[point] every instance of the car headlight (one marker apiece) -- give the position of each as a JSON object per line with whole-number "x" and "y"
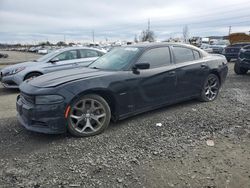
{"x": 14, "y": 71}
{"x": 49, "y": 99}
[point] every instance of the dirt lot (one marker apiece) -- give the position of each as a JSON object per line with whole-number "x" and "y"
{"x": 135, "y": 152}
{"x": 17, "y": 57}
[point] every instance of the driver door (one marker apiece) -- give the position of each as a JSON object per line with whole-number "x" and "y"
{"x": 63, "y": 61}
{"x": 156, "y": 85}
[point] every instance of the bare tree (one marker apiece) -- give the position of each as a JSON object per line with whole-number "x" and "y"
{"x": 136, "y": 40}
{"x": 147, "y": 35}
{"x": 185, "y": 34}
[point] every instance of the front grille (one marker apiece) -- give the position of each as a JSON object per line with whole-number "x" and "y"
{"x": 10, "y": 83}
{"x": 27, "y": 98}
{"x": 4, "y": 74}
{"x": 232, "y": 50}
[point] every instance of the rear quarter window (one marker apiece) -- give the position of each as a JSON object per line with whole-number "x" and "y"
{"x": 183, "y": 54}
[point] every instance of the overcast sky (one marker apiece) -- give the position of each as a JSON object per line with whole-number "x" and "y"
{"x": 41, "y": 20}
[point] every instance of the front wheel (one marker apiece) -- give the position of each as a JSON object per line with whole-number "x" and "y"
{"x": 89, "y": 115}
{"x": 32, "y": 75}
{"x": 210, "y": 88}
{"x": 238, "y": 69}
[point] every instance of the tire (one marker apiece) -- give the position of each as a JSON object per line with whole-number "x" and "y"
{"x": 89, "y": 115}
{"x": 228, "y": 59}
{"x": 32, "y": 75}
{"x": 210, "y": 88}
{"x": 238, "y": 69}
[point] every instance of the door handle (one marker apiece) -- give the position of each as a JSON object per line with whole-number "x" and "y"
{"x": 171, "y": 72}
{"x": 203, "y": 66}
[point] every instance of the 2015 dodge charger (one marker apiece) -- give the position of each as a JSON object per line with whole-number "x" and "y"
{"x": 124, "y": 82}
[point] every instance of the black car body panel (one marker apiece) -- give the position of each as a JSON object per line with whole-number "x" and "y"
{"x": 127, "y": 92}
{"x": 232, "y": 51}
{"x": 244, "y": 57}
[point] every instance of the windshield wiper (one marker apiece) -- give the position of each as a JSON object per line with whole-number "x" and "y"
{"x": 94, "y": 68}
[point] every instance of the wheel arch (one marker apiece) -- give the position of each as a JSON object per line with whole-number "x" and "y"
{"x": 32, "y": 72}
{"x": 215, "y": 72}
{"x": 104, "y": 93}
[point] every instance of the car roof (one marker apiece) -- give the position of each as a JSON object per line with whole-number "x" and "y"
{"x": 160, "y": 44}
{"x": 77, "y": 48}
{"x": 146, "y": 46}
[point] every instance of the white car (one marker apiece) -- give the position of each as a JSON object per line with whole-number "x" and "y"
{"x": 62, "y": 59}
{"x": 206, "y": 47}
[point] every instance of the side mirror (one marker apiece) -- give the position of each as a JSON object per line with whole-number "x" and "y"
{"x": 54, "y": 60}
{"x": 141, "y": 66}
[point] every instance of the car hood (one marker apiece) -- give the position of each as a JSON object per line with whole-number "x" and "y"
{"x": 24, "y": 64}
{"x": 61, "y": 77}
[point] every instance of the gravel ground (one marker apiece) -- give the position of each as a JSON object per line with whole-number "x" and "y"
{"x": 135, "y": 152}
{"x": 17, "y": 57}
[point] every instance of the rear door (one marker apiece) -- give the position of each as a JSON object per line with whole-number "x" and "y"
{"x": 156, "y": 85}
{"x": 191, "y": 69}
{"x": 87, "y": 56}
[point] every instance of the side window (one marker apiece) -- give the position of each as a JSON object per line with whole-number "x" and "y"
{"x": 157, "y": 57}
{"x": 100, "y": 54}
{"x": 183, "y": 54}
{"x": 196, "y": 55}
{"x": 68, "y": 55}
{"x": 88, "y": 53}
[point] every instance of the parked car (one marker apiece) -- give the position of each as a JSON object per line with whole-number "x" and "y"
{"x": 206, "y": 47}
{"x": 3, "y": 55}
{"x": 219, "y": 46}
{"x": 45, "y": 50}
{"x": 232, "y": 51}
{"x": 67, "y": 58}
{"x": 243, "y": 63}
{"x": 124, "y": 82}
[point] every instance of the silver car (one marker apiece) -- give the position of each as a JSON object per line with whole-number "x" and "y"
{"x": 66, "y": 58}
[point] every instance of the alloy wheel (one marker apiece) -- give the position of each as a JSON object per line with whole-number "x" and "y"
{"x": 212, "y": 88}
{"x": 87, "y": 116}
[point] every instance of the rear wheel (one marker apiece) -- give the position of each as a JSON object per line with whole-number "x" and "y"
{"x": 210, "y": 88}
{"x": 89, "y": 115}
{"x": 238, "y": 69}
{"x": 32, "y": 75}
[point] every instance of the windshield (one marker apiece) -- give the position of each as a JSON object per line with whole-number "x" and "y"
{"x": 116, "y": 59}
{"x": 222, "y": 43}
{"x": 48, "y": 56}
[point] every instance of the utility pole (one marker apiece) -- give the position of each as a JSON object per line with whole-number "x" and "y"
{"x": 93, "y": 36}
{"x": 230, "y": 29}
{"x": 149, "y": 24}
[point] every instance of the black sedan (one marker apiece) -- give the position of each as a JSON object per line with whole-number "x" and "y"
{"x": 124, "y": 82}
